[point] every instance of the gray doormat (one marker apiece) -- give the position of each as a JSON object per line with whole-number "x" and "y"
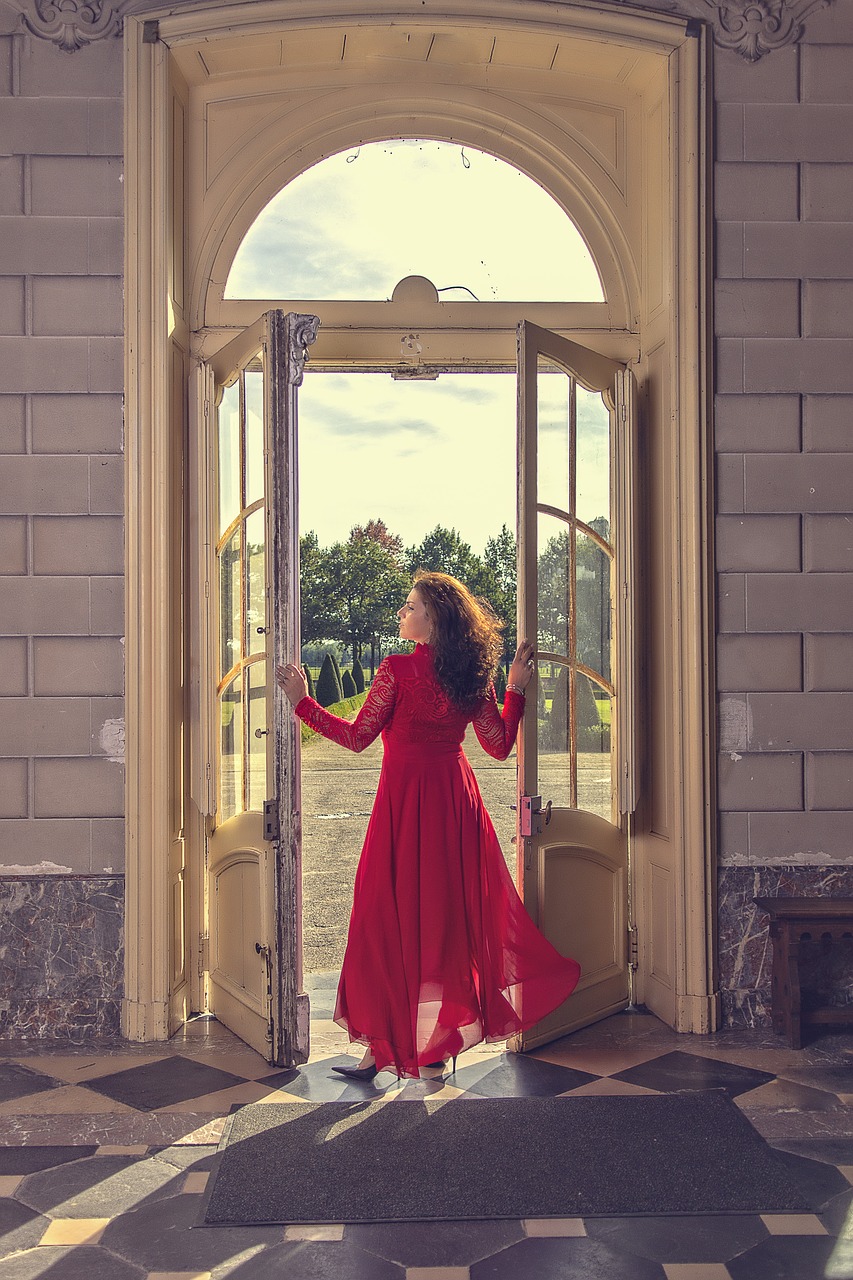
{"x": 498, "y": 1158}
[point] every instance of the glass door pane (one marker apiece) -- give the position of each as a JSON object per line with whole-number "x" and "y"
{"x": 242, "y": 598}
{"x": 574, "y": 579}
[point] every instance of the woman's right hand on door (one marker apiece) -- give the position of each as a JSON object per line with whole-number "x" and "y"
{"x": 291, "y": 679}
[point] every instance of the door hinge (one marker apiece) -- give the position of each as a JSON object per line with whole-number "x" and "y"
{"x": 272, "y": 830}
{"x": 633, "y": 948}
{"x": 265, "y": 953}
{"x": 203, "y": 954}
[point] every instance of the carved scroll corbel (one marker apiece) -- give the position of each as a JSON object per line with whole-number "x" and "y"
{"x": 755, "y": 27}
{"x": 71, "y": 23}
{"x": 301, "y": 333}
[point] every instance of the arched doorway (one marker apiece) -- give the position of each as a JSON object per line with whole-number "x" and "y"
{"x": 606, "y": 155}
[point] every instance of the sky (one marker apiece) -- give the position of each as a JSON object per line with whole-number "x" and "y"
{"x": 357, "y": 223}
{"x": 414, "y": 454}
{"x": 417, "y": 454}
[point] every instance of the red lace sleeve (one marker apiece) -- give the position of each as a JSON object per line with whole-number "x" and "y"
{"x": 355, "y": 734}
{"x": 496, "y": 732}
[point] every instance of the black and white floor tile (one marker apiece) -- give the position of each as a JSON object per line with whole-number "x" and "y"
{"x": 105, "y": 1154}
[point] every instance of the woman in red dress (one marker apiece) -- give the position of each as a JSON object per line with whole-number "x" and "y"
{"x": 441, "y": 952}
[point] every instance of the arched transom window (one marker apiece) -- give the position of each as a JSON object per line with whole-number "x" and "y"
{"x": 358, "y": 222}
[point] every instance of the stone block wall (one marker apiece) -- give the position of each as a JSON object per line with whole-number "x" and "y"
{"x": 61, "y": 536}
{"x": 784, "y": 498}
{"x": 784, "y": 439}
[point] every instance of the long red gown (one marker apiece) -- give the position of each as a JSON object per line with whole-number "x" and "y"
{"x": 441, "y": 952}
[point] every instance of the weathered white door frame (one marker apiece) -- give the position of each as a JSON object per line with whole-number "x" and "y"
{"x": 155, "y": 322}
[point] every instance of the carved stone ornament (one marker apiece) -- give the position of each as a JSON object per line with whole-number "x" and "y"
{"x": 72, "y": 23}
{"x": 750, "y": 27}
{"x": 302, "y": 332}
{"x": 754, "y": 27}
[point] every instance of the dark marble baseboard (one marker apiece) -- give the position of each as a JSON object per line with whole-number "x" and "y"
{"x": 69, "y": 1021}
{"x": 61, "y": 956}
{"x": 62, "y": 953}
{"x": 744, "y": 948}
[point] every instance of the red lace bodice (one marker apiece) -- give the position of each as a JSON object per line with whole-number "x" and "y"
{"x": 408, "y": 706}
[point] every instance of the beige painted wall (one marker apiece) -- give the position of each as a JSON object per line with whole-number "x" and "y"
{"x": 61, "y": 470}
{"x": 784, "y": 436}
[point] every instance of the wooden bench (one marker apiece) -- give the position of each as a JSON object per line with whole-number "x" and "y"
{"x": 794, "y": 921}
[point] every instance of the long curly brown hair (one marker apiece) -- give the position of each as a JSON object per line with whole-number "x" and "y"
{"x": 466, "y": 639}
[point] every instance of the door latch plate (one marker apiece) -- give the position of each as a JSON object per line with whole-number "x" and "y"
{"x": 272, "y": 830}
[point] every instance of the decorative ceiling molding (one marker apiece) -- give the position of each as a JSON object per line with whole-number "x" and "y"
{"x": 751, "y": 27}
{"x": 72, "y": 23}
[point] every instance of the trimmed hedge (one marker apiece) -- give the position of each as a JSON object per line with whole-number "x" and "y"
{"x": 348, "y": 685}
{"x": 347, "y": 708}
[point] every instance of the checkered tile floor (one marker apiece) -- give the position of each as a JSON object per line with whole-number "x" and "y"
{"x": 105, "y": 1154}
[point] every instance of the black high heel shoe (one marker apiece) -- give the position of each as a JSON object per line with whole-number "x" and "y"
{"x": 442, "y": 1064}
{"x": 358, "y": 1073}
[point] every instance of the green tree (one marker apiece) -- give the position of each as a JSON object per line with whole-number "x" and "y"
{"x": 317, "y": 609}
{"x": 500, "y": 588}
{"x": 443, "y": 551}
{"x": 554, "y": 600}
{"x": 500, "y": 684}
{"x": 366, "y": 584}
{"x": 348, "y": 685}
{"x": 328, "y": 684}
{"x": 377, "y": 531}
{"x": 309, "y": 680}
{"x": 593, "y": 612}
{"x": 358, "y": 675}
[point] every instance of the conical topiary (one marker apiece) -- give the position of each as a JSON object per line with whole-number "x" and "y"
{"x": 309, "y": 680}
{"x": 558, "y": 717}
{"x": 592, "y": 735}
{"x": 500, "y": 684}
{"x": 337, "y": 667}
{"x": 329, "y": 683}
{"x": 348, "y": 685}
{"x": 358, "y": 675}
{"x": 541, "y": 709}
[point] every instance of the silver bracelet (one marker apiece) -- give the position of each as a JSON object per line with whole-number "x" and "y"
{"x": 514, "y": 688}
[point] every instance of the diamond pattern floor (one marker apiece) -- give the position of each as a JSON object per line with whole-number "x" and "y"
{"x": 105, "y": 1155}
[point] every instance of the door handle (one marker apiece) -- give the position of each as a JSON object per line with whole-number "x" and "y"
{"x": 533, "y": 817}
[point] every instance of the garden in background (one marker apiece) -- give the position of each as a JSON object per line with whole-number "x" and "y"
{"x": 351, "y": 592}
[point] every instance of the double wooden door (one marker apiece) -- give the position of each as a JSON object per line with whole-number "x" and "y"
{"x": 575, "y": 780}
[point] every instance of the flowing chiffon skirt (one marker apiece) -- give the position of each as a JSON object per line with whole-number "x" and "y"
{"x": 441, "y": 952}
